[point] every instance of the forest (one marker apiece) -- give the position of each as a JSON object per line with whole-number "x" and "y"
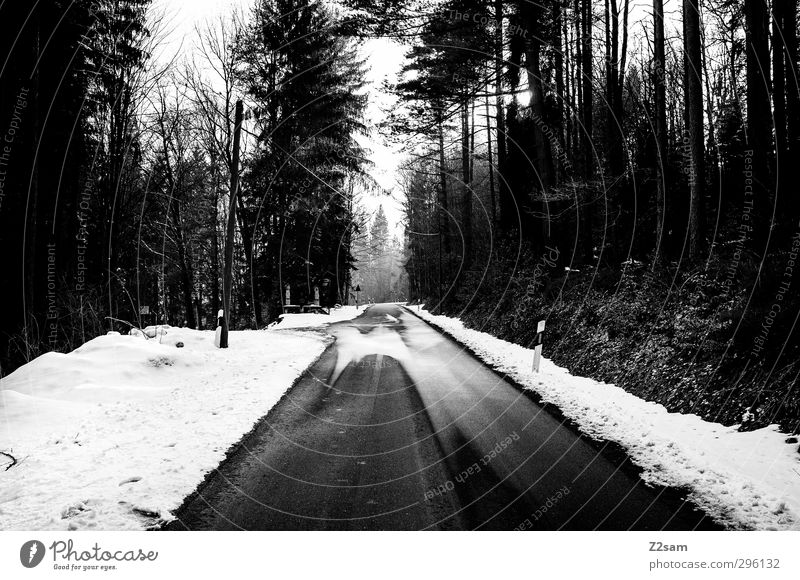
{"x": 117, "y": 167}
{"x": 624, "y": 171}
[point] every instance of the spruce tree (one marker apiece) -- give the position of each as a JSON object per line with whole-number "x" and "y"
{"x": 305, "y": 79}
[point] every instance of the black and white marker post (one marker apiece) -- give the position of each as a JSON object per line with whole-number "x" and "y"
{"x": 537, "y": 349}
{"x": 218, "y": 334}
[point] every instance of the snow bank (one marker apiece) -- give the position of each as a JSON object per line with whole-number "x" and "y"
{"x": 748, "y": 480}
{"x": 116, "y": 433}
{"x": 317, "y": 320}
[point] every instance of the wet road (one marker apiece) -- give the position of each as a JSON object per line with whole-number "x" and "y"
{"x": 397, "y": 427}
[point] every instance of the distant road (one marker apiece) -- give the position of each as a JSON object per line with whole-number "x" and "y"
{"x": 397, "y": 427}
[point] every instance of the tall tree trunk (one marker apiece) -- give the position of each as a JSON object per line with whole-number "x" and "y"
{"x": 778, "y": 78}
{"x": 544, "y": 156}
{"x": 619, "y": 85}
{"x": 578, "y": 137}
{"x": 246, "y": 232}
{"x": 508, "y": 211}
{"x": 608, "y": 117}
{"x": 569, "y": 89}
{"x": 466, "y": 199}
{"x": 792, "y": 74}
{"x": 184, "y": 263}
{"x": 759, "y": 126}
{"x": 491, "y": 162}
{"x": 472, "y": 142}
{"x": 30, "y": 241}
{"x": 215, "y": 287}
{"x": 228, "y": 290}
{"x": 659, "y": 82}
{"x": 712, "y": 164}
{"x": 615, "y": 62}
{"x": 586, "y": 114}
{"x": 692, "y": 66}
{"x": 784, "y": 45}
{"x": 442, "y": 209}
{"x": 561, "y": 94}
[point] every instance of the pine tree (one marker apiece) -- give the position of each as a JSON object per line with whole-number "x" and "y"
{"x": 305, "y": 80}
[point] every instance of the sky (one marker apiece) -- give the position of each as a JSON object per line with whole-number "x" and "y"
{"x": 383, "y": 59}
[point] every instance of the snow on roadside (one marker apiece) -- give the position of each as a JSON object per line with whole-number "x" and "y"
{"x": 745, "y": 480}
{"x": 116, "y": 433}
{"x": 309, "y": 320}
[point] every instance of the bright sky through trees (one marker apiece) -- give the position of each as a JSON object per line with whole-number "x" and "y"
{"x": 384, "y": 59}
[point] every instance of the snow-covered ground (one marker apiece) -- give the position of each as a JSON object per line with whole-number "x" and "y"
{"x": 116, "y": 433}
{"x": 317, "y": 320}
{"x": 747, "y": 480}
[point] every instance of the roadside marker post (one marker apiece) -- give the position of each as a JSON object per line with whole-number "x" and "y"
{"x": 537, "y": 350}
{"x": 220, "y": 322}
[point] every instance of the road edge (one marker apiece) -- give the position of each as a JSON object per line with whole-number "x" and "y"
{"x": 329, "y": 340}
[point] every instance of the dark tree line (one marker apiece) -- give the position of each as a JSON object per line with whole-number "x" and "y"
{"x": 571, "y": 105}
{"x": 69, "y": 81}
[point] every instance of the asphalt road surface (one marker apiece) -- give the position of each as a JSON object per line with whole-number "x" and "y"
{"x": 397, "y": 427}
